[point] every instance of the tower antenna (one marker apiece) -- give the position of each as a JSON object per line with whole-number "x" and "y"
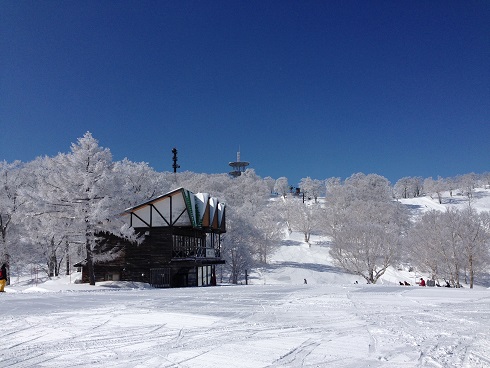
{"x": 238, "y": 165}
{"x": 174, "y": 159}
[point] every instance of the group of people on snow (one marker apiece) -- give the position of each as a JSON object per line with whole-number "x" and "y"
{"x": 422, "y": 282}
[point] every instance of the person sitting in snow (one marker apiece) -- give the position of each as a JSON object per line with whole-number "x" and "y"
{"x": 422, "y": 282}
{"x": 3, "y": 277}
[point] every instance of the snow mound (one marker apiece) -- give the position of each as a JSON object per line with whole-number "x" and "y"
{"x": 37, "y": 289}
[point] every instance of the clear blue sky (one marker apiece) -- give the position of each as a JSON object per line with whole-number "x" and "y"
{"x": 304, "y": 88}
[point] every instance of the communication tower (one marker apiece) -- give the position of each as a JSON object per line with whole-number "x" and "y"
{"x": 174, "y": 159}
{"x": 238, "y": 166}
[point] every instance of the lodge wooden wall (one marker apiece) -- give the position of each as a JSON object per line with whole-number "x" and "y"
{"x": 155, "y": 251}
{"x": 135, "y": 261}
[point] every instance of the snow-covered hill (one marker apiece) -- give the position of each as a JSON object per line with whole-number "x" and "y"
{"x": 296, "y": 260}
{"x": 480, "y": 201}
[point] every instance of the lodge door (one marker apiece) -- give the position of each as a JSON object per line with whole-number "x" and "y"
{"x": 160, "y": 277}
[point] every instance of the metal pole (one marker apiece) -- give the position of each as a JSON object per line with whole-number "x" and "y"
{"x": 174, "y": 159}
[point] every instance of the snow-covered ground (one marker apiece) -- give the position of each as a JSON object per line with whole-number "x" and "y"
{"x": 286, "y": 325}
{"x": 275, "y": 321}
{"x": 294, "y": 261}
{"x": 480, "y": 202}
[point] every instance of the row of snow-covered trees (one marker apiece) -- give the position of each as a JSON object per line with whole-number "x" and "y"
{"x": 409, "y": 187}
{"x": 406, "y": 187}
{"x": 371, "y": 232}
{"x": 453, "y": 245}
{"x": 52, "y": 208}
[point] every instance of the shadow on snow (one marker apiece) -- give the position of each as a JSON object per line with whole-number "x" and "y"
{"x": 308, "y": 266}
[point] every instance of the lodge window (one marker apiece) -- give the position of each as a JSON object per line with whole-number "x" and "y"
{"x": 213, "y": 241}
{"x": 204, "y": 275}
{"x": 187, "y": 246}
{"x": 111, "y": 277}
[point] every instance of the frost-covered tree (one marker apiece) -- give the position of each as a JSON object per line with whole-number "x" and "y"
{"x": 13, "y": 178}
{"x": 305, "y": 217}
{"x": 402, "y": 187}
{"x": 358, "y": 187}
{"x": 424, "y": 243}
{"x": 246, "y": 198}
{"x": 270, "y": 183}
{"x": 82, "y": 189}
{"x": 467, "y": 184}
{"x": 268, "y": 224}
{"x": 137, "y": 182}
{"x": 451, "y": 185}
{"x": 282, "y": 186}
{"x": 47, "y": 237}
{"x": 286, "y": 212}
{"x": 450, "y": 243}
{"x": 473, "y": 232}
{"x": 486, "y": 179}
{"x": 452, "y": 250}
{"x": 369, "y": 187}
{"x": 312, "y": 187}
{"x": 417, "y": 186}
{"x": 331, "y": 184}
{"x": 408, "y": 187}
{"x": 252, "y": 190}
{"x": 43, "y": 234}
{"x": 50, "y": 234}
{"x": 306, "y": 186}
{"x": 367, "y": 240}
{"x": 237, "y": 245}
{"x": 436, "y": 187}
{"x": 199, "y": 183}
{"x": 366, "y": 225}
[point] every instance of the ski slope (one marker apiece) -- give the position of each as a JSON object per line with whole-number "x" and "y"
{"x": 282, "y": 325}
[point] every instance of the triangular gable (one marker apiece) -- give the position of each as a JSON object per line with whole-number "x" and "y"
{"x": 221, "y": 216}
{"x": 201, "y": 206}
{"x": 169, "y": 209}
{"x": 206, "y": 222}
{"x": 213, "y": 203}
{"x": 179, "y": 207}
{"x": 190, "y": 201}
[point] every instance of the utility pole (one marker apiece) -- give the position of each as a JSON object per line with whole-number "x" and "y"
{"x": 174, "y": 159}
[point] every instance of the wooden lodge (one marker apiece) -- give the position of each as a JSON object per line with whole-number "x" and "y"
{"x": 181, "y": 246}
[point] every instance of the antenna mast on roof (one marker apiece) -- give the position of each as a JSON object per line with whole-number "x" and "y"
{"x": 238, "y": 165}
